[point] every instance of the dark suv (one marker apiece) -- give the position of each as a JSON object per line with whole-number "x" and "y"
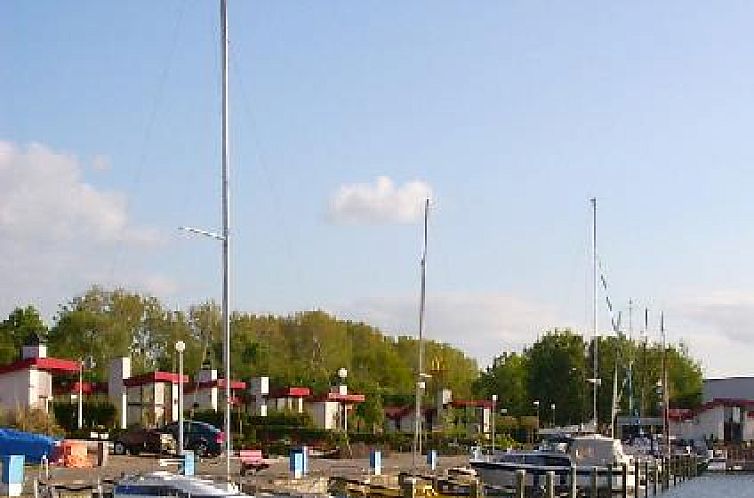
{"x": 137, "y": 439}
{"x": 204, "y": 439}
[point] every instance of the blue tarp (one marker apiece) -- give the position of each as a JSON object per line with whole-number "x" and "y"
{"x": 32, "y": 446}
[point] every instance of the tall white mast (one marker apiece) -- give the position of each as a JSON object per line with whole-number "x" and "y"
{"x": 226, "y": 233}
{"x": 595, "y": 290}
{"x": 416, "y": 450}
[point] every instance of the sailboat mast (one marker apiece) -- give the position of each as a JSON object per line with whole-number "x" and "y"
{"x": 226, "y": 232}
{"x": 420, "y": 368}
{"x": 665, "y": 397}
{"x": 594, "y": 318}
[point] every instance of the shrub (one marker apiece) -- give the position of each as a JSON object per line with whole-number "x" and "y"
{"x": 31, "y": 420}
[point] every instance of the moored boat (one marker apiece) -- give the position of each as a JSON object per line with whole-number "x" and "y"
{"x": 582, "y": 454}
{"x": 167, "y": 484}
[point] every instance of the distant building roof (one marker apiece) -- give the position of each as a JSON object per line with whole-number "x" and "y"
{"x": 291, "y": 392}
{"x": 52, "y": 365}
{"x": 471, "y": 403}
{"x": 154, "y": 377}
{"x": 220, "y": 383}
{"x": 341, "y": 398}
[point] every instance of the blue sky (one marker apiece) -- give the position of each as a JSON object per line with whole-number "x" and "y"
{"x": 511, "y": 115}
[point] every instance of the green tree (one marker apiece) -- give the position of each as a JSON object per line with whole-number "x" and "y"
{"x": 14, "y": 330}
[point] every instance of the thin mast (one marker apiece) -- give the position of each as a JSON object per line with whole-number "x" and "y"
{"x": 226, "y": 232}
{"x": 594, "y": 318}
{"x": 420, "y": 370}
{"x": 665, "y": 397}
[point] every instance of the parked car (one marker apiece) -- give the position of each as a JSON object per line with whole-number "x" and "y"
{"x": 137, "y": 439}
{"x": 203, "y": 438}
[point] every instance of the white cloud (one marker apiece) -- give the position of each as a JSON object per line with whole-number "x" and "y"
{"x": 717, "y": 327}
{"x": 60, "y": 234}
{"x": 379, "y": 202}
{"x": 483, "y": 325}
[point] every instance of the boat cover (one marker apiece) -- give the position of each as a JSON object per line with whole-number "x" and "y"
{"x": 32, "y": 446}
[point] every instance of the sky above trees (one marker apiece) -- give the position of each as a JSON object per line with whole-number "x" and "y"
{"x": 345, "y": 116}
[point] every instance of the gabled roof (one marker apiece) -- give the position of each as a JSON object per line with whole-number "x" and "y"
{"x": 52, "y": 365}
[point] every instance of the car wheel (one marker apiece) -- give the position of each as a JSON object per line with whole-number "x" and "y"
{"x": 119, "y": 448}
{"x": 200, "y": 449}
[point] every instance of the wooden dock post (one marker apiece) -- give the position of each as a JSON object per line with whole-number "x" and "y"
{"x": 550, "y": 484}
{"x": 520, "y": 483}
{"x": 594, "y": 477}
{"x": 674, "y": 469}
{"x": 574, "y": 487}
{"x": 624, "y": 479}
{"x": 655, "y": 477}
{"x": 646, "y": 480}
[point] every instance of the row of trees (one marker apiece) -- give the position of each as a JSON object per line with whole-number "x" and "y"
{"x": 307, "y": 349}
{"x": 556, "y": 370}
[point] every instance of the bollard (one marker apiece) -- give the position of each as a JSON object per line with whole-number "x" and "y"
{"x": 296, "y": 464}
{"x": 103, "y": 452}
{"x": 13, "y": 475}
{"x": 574, "y": 487}
{"x": 520, "y": 483}
{"x": 188, "y": 463}
{"x": 35, "y": 487}
{"x": 375, "y": 462}
{"x": 595, "y": 489}
{"x": 304, "y": 459}
{"x": 610, "y": 477}
{"x": 624, "y": 479}
{"x": 432, "y": 459}
{"x": 550, "y": 483}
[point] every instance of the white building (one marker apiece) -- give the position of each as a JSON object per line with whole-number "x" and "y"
{"x": 27, "y": 383}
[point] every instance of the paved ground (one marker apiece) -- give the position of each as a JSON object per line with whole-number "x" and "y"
{"x": 319, "y": 467}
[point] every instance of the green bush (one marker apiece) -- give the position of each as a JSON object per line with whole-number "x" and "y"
{"x": 96, "y": 415}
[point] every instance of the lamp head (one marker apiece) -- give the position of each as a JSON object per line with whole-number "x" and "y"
{"x": 180, "y": 346}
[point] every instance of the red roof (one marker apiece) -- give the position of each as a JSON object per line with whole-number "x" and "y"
{"x": 154, "y": 377}
{"x": 52, "y": 365}
{"x": 397, "y": 412}
{"x": 471, "y": 403}
{"x": 291, "y": 392}
{"x": 341, "y": 398}
{"x": 220, "y": 383}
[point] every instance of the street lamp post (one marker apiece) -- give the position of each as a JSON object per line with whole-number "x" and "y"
{"x": 494, "y": 409}
{"x": 180, "y": 347}
{"x": 87, "y": 362}
{"x": 343, "y": 373}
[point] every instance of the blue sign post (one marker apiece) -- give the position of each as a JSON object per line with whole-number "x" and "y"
{"x": 188, "y": 464}
{"x": 375, "y": 462}
{"x": 297, "y": 463}
{"x": 432, "y": 459}
{"x": 13, "y": 475}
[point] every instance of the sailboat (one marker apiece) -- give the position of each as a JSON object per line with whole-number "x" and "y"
{"x": 581, "y": 454}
